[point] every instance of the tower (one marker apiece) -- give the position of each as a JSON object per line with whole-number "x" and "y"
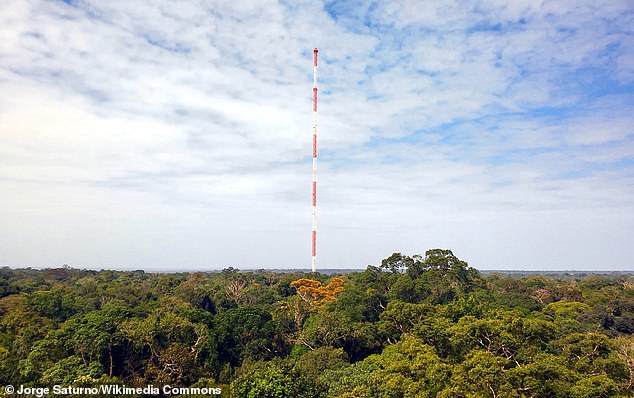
{"x": 314, "y": 210}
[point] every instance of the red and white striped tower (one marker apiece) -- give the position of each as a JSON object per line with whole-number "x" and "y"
{"x": 314, "y": 212}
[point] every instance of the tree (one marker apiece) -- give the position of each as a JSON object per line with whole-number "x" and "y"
{"x": 625, "y": 349}
{"x": 317, "y": 295}
{"x": 444, "y": 276}
{"x": 314, "y": 363}
{"x": 360, "y": 301}
{"x": 235, "y": 288}
{"x": 95, "y": 337}
{"x": 436, "y": 260}
{"x": 480, "y": 374}
{"x": 163, "y": 345}
{"x": 592, "y": 354}
{"x": 544, "y": 376}
{"x": 566, "y": 315}
{"x": 400, "y": 317}
{"x": 53, "y": 304}
{"x": 246, "y": 332}
{"x": 409, "y": 368}
{"x": 398, "y": 263}
{"x": 68, "y": 370}
{"x": 326, "y": 329}
{"x": 507, "y": 334}
{"x": 273, "y": 379}
{"x": 596, "y": 386}
{"x": 408, "y": 290}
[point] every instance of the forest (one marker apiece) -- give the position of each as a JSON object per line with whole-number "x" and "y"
{"x": 411, "y": 326}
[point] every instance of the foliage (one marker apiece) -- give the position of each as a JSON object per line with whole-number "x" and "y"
{"x": 273, "y": 379}
{"x": 316, "y": 294}
{"x": 414, "y": 326}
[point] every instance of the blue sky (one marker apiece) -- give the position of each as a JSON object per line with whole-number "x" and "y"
{"x": 150, "y": 135}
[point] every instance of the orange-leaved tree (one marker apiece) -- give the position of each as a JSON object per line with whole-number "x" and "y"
{"x": 316, "y": 294}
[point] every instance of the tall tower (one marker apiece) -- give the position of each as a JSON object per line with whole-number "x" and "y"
{"x": 314, "y": 212}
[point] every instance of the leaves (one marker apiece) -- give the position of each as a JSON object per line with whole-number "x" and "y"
{"x": 317, "y": 295}
{"x": 417, "y": 326}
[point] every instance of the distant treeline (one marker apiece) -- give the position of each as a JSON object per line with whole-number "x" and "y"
{"x": 412, "y": 326}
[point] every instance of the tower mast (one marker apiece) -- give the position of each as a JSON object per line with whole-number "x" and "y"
{"x": 314, "y": 211}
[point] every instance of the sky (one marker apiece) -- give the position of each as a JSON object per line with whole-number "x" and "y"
{"x": 165, "y": 135}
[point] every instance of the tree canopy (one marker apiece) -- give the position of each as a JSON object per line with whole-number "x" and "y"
{"x": 413, "y": 326}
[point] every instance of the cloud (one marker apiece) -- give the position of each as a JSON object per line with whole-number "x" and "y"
{"x": 156, "y": 135}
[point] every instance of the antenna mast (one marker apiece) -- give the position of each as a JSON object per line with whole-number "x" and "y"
{"x": 314, "y": 212}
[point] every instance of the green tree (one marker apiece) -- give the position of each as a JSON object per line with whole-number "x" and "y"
{"x": 507, "y": 334}
{"x": 246, "y": 332}
{"x": 592, "y": 354}
{"x": 409, "y": 368}
{"x": 407, "y": 289}
{"x": 53, "y": 304}
{"x": 444, "y": 275}
{"x": 481, "y": 374}
{"x": 69, "y": 370}
{"x": 313, "y": 363}
{"x": 400, "y": 317}
{"x": 397, "y": 263}
{"x": 164, "y": 345}
{"x": 597, "y": 386}
{"x": 545, "y": 376}
{"x": 273, "y": 379}
{"x": 567, "y": 315}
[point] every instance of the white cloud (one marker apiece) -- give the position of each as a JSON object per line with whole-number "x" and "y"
{"x": 167, "y": 135}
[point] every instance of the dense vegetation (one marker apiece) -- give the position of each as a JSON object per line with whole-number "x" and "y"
{"x": 420, "y": 326}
